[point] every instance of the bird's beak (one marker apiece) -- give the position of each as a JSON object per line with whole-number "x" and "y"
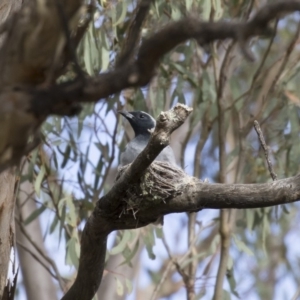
{"x": 126, "y": 114}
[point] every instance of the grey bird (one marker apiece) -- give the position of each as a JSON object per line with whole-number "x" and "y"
{"x": 142, "y": 123}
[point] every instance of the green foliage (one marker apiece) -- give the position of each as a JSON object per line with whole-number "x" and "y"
{"x": 122, "y": 244}
{"x": 79, "y": 159}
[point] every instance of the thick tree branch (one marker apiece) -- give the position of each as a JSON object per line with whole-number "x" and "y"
{"x": 191, "y": 195}
{"x": 140, "y": 72}
{"x": 139, "y": 197}
{"x": 202, "y": 195}
{"x": 110, "y": 209}
{"x": 166, "y": 123}
{"x": 31, "y": 30}
{"x": 30, "y": 51}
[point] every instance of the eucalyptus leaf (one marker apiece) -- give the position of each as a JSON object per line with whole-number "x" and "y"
{"x": 120, "y": 287}
{"x": 128, "y": 285}
{"x": 130, "y": 254}
{"x": 242, "y": 246}
{"x": 122, "y": 8}
{"x": 39, "y": 179}
{"x": 35, "y": 214}
{"x": 72, "y": 257}
{"x": 122, "y": 244}
{"x": 149, "y": 243}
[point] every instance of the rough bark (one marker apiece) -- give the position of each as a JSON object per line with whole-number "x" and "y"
{"x": 7, "y": 228}
{"x": 193, "y": 196}
{"x": 30, "y": 93}
{"x": 7, "y": 183}
{"x": 33, "y": 54}
{"x": 139, "y": 198}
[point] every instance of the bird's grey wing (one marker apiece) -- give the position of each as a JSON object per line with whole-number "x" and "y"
{"x": 137, "y": 145}
{"x": 132, "y": 150}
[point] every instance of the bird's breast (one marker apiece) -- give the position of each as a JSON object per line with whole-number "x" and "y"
{"x": 137, "y": 145}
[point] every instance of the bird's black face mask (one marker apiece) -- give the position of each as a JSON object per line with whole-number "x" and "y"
{"x": 140, "y": 121}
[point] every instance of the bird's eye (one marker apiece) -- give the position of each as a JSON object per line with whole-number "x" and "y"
{"x": 142, "y": 116}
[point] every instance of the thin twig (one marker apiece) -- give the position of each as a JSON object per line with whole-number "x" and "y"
{"x": 225, "y": 226}
{"x": 287, "y": 55}
{"x": 206, "y": 129}
{"x": 162, "y": 280}
{"x": 127, "y": 52}
{"x": 266, "y": 149}
{"x": 57, "y": 99}
{"x": 176, "y": 262}
{"x": 265, "y": 56}
{"x": 36, "y": 257}
{"x": 262, "y": 101}
{"x": 192, "y": 267}
{"x": 112, "y": 157}
{"x": 42, "y": 253}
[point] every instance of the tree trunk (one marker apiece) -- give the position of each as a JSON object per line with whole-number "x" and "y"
{"x": 7, "y": 229}
{"x": 7, "y": 181}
